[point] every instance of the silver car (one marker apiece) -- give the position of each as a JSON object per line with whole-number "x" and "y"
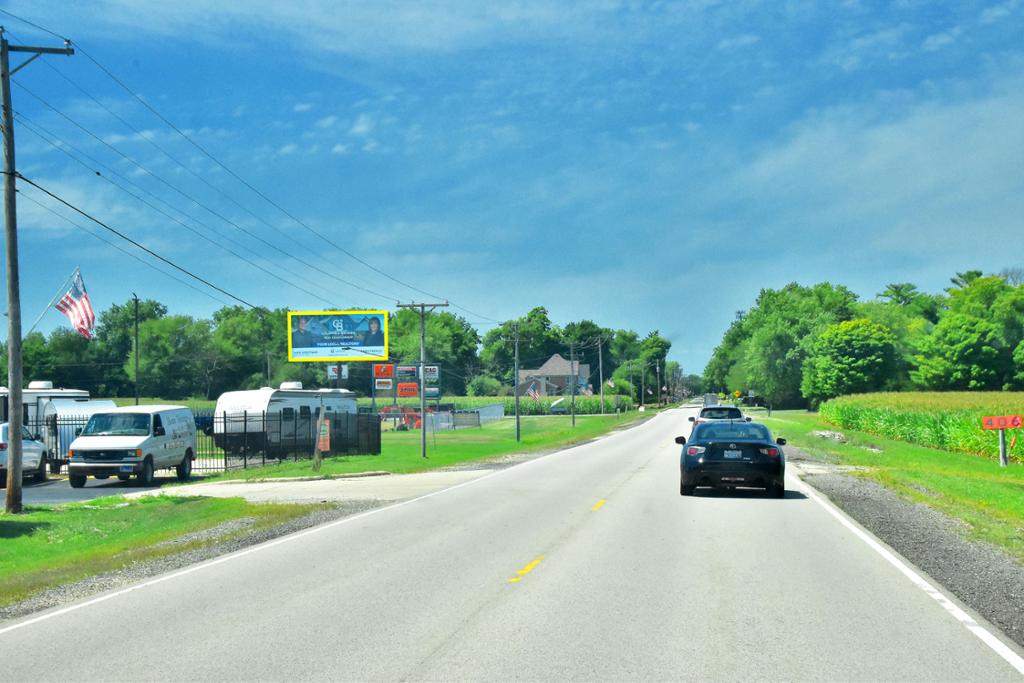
{"x": 33, "y": 454}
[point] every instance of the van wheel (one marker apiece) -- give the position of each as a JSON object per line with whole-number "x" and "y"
{"x": 184, "y": 470}
{"x": 77, "y": 481}
{"x": 146, "y": 475}
{"x": 40, "y": 474}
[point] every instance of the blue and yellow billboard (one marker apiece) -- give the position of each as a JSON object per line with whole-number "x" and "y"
{"x": 318, "y": 336}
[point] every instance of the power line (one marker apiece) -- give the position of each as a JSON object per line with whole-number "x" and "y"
{"x": 198, "y": 233}
{"x": 194, "y": 200}
{"x": 34, "y": 25}
{"x": 122, "y": 249}
{"x": 129, "y": 239}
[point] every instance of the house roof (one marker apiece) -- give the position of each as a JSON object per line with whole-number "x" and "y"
{"x": 557, "y": 366}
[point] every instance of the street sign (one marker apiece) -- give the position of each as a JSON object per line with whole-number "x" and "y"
{"x": 1002, "y": 422}
{"x": 406, "y": 371}
{"x": 383, "y": 384}
{"x": 383, "y": 371}
{"x": 408, "y": 389}
{"x": 432, "y": 392}
{"x": 431, "y": 374}
{"x": 337, "y": 371}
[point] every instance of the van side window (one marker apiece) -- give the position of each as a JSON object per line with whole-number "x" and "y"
{"x": 288, "y": 414}
{"x": 304, "y": 412}
{"x": 157, "y": 424}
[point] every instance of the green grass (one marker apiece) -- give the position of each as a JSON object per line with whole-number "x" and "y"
{"x": 946, "y": 420}
{"x": 55, "y": 545}
{"x": 400, "y": 451}
{"x": 977, "y": 491}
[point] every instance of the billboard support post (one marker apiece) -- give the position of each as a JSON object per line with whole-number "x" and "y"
{"x": 423, "y": 361}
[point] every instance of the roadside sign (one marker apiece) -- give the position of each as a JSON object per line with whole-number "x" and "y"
{"x": 406, "y": 371}
{"x": 382, "y": 370}
{"x": 337, "y": 371}
{"x": 408, "y": 389}
{"x": 1002, "y": 422}
{"x": 383, "y": 384}
{"x": 432, "y": 392}
{"x": 431, "y": 374}
{"x": 324, "y": 443}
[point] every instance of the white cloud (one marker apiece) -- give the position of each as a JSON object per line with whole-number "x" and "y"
{"x": 302, "y": 106}
{"x": 738, "y": 41}
{"x": 287, "y": 149}
{"x": 884, "y": 43}
{"x": 370, "y": 146}
{"x": 938, "y": 41}
{"x": 993, "y": 14}
{"x": 362, "y": 126}
{"x": 339, "y": 149}
{"x": 327, "y": 121}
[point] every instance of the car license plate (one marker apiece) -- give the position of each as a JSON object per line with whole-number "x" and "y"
{"x": 127, "y": 468}
{"x": 734, "y": 454}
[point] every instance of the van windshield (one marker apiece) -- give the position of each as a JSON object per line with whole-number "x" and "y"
{"x": 117, "y": 424}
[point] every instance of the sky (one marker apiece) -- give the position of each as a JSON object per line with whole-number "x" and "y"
{"x": 645, "y": 165}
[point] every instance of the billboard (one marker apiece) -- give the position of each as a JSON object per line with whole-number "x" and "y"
{"x": 318, "y": 336}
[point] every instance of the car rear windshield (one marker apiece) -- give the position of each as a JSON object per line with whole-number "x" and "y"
{"x": 722, "y": 413}
{"x": 710, "y": 432}
{"x": 117, "y": 424}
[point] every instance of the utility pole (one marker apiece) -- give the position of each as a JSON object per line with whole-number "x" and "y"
{"x": 575, "y": 373}
{"x": 423, "y": 361}
{"x": 657, "y": 371}
{"x": 14, "y": 369}
{"x": 268, "y": 368}
{"x": 136, "y": 300}
{"x": 600, "y": 368}
{"x": 515, "y": 381}
{"x": 643, "y": 386}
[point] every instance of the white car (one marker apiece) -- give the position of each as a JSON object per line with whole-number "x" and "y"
{"x": 33, "y": 455}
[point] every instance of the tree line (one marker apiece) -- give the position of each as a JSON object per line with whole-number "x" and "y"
{"x": 799, "y": 346}
{"x": 241, "y": 348}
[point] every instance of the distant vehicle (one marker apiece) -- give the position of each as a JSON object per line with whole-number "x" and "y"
{"x": 277, "y": 419}
{"x": 33, "y": 454}
{"x": 732, "y": 454}
{"x": 711, "y": 399}
{"x": 34, "y": 397}
{"x": 711, "y": 413}
{"x": 558, "y": 410}
{"x": 134, "y": 440}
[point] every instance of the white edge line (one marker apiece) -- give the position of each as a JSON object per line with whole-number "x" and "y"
{"x": 278, "y": 541}
{"x": 982, "y": 633}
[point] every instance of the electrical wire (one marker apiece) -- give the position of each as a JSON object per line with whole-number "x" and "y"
{"x": 129, "y": 239}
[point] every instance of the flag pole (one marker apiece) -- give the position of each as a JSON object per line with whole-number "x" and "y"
{"x": 60, "y": 293}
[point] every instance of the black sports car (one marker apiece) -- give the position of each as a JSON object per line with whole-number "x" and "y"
{"x": 730, "y": 454}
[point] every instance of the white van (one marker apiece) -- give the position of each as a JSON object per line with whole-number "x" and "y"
{"x": 134, "y": 440}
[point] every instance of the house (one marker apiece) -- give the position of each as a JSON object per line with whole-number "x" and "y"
{"x": 554, "y": 377}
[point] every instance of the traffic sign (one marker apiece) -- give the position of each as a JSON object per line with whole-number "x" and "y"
{"x": 1002, "y": 422}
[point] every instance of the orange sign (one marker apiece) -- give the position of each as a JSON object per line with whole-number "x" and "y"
{"x": 1002, "y": 422}
{"x": 408, "y": 389}
{"x": 324, "y": 445}
{"x": 383, "y": 371}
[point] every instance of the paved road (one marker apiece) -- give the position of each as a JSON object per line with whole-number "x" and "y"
{"x": 54, "y": 491}
{"x": 586, "y": 564}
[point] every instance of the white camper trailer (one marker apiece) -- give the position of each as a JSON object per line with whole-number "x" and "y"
{"x": 34, "y": 397}
{"x": 278, "y": 419}
{"x": 62, "y": 419}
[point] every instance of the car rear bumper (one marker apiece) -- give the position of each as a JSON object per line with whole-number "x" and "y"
{"x": 758, "y": 474}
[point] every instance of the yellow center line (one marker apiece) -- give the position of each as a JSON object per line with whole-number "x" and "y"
{"x": 526, "y": 570}
{"x": 599, "y": 504}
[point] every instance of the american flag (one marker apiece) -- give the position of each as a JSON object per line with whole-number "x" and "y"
{"x": 532, "y": 392}
{"x": 75, "y": 305}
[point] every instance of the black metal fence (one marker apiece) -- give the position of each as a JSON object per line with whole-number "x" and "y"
{"x": 228, "y": 442}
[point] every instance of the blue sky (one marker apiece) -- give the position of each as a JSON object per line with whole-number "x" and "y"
{"x": 649, "y": 165}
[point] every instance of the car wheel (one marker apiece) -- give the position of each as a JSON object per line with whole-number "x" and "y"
{"x": 184, "y": 470}
{"x": 77, "y": 481}
{"x": 124, "y": 477}
{"x": 777, "y": 491}
{"x": 685, "y": 490}
{"x": 146, "y": 475}
{"x": 40, "y": 474}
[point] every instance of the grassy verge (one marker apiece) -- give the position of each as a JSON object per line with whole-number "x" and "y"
{"x": 988, "y": 498}
{"x": 56, "y": 545}
{"x": 400, "y": 451}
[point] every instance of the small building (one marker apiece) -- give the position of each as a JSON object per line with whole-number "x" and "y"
{"x": 554, "y": 377}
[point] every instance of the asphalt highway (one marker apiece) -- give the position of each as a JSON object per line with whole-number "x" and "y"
{"x": 583, "y": 565}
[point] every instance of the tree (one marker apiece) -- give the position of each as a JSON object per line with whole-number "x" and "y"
{"x": 539, "y": 338}
{"x": 900, "y": 293}
{"x": 450, "y": 341}
{"x": 240, "y": 342}
{"x": 853, "y": 356}
{"x": 962, "y": 352}
{"x": 115, "y": 334}
{"x": 176, "y": 360}
{"x": 485, "y": 385}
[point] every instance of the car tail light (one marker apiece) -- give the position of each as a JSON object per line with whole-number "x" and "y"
{"x": 773, "y": 452}
{"x": 3, "y": 447}
{"x": 694, "y": 450}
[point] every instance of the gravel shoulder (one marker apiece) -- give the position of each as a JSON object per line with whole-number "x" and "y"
{"x": 979, "y": 574}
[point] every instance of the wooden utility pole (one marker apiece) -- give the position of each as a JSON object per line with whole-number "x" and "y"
{"x": 575, "y": 373}
{"x": 15, "y": 377}
{"x": 136, "y": 300}
{"x": 515, "y": 381}
{"x": 423, "y": 361}
{"x": 600, "y": 368}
